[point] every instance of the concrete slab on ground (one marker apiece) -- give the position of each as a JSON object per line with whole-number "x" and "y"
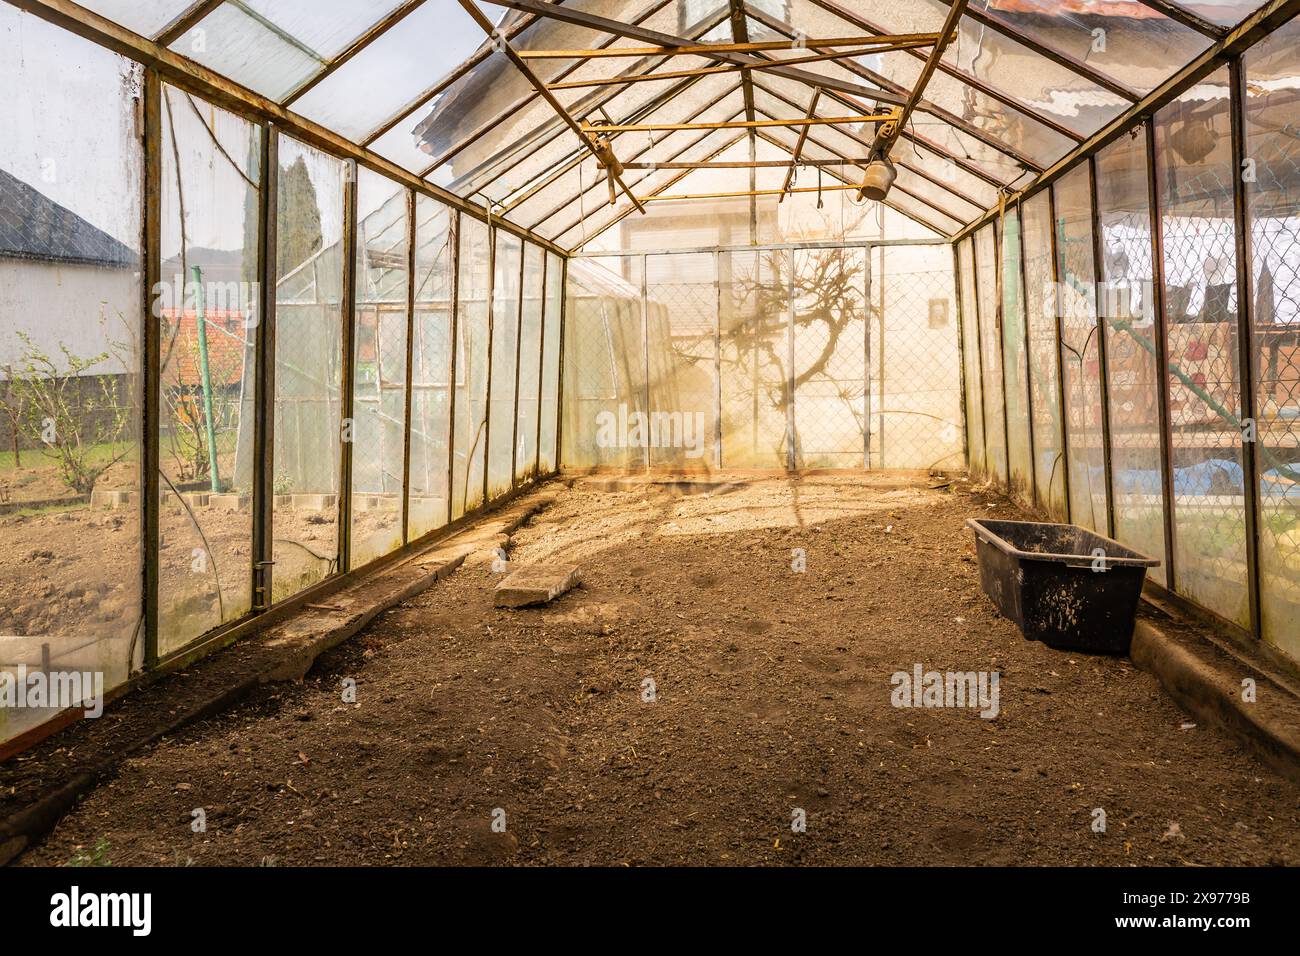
{"x": 536, "y": 584}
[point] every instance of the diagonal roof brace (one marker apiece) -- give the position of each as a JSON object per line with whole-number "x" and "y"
{"x": 887, "y": 134}
{"x": 798, "y": 148}
{"x": 615, "y": 175}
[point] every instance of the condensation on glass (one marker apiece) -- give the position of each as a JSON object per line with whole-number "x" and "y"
{"x": 986, "y": 286}
{"x": 972, "y": 367}
{"x": 1020, "y": 463}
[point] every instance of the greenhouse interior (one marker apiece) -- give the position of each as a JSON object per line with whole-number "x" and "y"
{"x": 298, "y": 293}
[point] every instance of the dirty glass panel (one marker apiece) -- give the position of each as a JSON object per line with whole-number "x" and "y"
{"x": 395, "y": 69}
{"x": 986, "y": 266}
{"x": 146, "y": 17}
{"x": 551, "y": 334}
{"x": 274, "y": 46}
{"x": 1223, "y": 12}
{"x": 70, "y": 315}
{"x": 1133, "y": 372}
{"x": 530, "y": 361}
{"x": 604, "y": 399}
{"x": 207, "y": 321}
{"x": 970, "y": 339}
{"x": 912, "y": 359}
{"x": 505, "y": 358}
{"x": 472, "y": 321}
{"x": 681, "y": 316}
{"x": 1044, "y": 354}
{"x": 924, "y": 190}
{"x": 1195, "y": 170}
{"x": 308, "y": 366}
{"x": 754, "y": 318}
{"x": 241, "y": 45}
{"x": 1134, "y": 45}
{"x": 1272, "y": 83}
{"x": 379, "y": 368}
{"x": 1020, "y": 464}
{"x": 1040, "y": 85}
{"x": 1080, "y": 350}
{"x": 431, "y": 366}
{"x": 829, "y": 357}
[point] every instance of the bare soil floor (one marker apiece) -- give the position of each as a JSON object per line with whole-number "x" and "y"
{"x": 772, "y": 694}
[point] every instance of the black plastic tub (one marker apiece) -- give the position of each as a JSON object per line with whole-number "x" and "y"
{"x": 1061, "y": 584}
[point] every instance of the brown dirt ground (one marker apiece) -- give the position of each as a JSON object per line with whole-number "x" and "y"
{"x": 75, "y": 570}
{"x": 773, "y": 693}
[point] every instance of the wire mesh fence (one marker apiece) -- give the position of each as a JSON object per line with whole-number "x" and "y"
{"x": 764, "y": 358}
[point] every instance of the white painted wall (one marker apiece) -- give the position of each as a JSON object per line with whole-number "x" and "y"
{"x": 85, "y": 307}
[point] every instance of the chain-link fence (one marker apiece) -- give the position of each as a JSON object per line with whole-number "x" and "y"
{"x": 766, "y": 358}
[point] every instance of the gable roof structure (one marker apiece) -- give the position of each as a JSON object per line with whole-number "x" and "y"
{"x": 993, "y": 96}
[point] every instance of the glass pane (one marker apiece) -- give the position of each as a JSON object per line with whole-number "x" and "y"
{"x": 1044, "y": 356}
{"x": 1080, "y": 350}
{"x": 1223, "y": 12}
{"x": 970, "y": 338}
{"x": 471, "y": 366}
{"x": 431, "y": 371}
{"x": 995, "y": 424}
{"x": 505, "y": 358}
{"x": 274, "y": 46}
{"x": 377, "y": 83}
{"x": 1134, "y": 45}
{"x": 530, "y": 361}
{"x": 1195, "y": 167}
{"x": 70, "y": 315}
{"x": 1133, "y": 373}
{"x": 308, "y": 366}
{"x": 1019, "y": 454}
{"x": 207, "y": 325}
{"x": 241, "y": 45}
{"x": 1273, "y": 77}
{"x": 146, "y": 17}
{"x": 551, "y": 362}
{"x": 379, "y": 368}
